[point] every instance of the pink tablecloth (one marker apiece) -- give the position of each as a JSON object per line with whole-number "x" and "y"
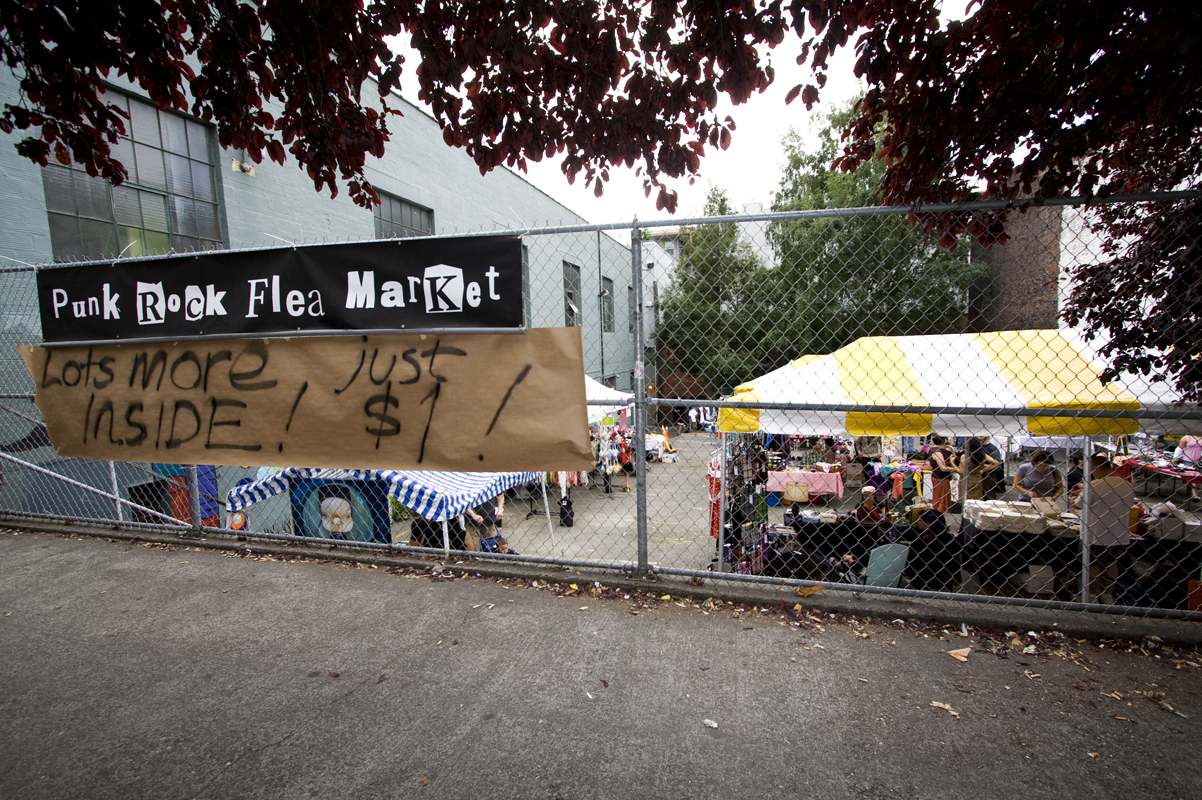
{"x": 819, "y": 482}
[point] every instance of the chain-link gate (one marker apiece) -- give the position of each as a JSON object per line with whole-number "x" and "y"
{"x": 826, "y": 398}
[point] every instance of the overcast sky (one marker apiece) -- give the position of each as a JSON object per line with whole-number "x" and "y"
{"x": 749, "y": 170}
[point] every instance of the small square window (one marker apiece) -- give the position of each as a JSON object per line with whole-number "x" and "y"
{"x": 399, "y": 219}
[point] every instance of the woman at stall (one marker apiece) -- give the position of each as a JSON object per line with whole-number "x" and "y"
{"x": 943, "y": 467}
{"x": 973, "y": 466}
{"x": 1039, "y": 478}
{"x": 869, "y": 509}
{"x": 1191, "y": 457}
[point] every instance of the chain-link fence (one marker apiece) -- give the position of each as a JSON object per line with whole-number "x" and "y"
{"x": 829, "y": 398}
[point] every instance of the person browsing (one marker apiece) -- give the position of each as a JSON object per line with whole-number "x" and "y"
{"x": 484, "y": 519}
{"x": 1039, "y": 478}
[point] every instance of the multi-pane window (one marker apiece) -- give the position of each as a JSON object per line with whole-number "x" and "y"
{"x": 399, "y": 219}
{"x": 168, "y": 202}
{"x": 571, "y": 295}
{"x": 607, "y": 305}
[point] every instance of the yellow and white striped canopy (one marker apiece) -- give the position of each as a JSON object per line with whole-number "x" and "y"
{"x": 997, "y": 370}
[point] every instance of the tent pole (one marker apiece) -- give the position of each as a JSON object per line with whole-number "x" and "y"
{"x": 1086, "y": 522}
{"x": 547, "y": 508}
{"x": 446, "y": 539}
{"x": 722, "y": 502}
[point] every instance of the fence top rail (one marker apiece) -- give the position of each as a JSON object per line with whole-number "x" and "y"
{"x": 931, "y": 208}
{"x": 765, "y": 216}
{"x": 972, "y": 411}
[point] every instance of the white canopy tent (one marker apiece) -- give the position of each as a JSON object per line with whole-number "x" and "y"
{"x": 610, "y": 400}
{"x": 437, "y": 496}
{"x": 995, "y": 374}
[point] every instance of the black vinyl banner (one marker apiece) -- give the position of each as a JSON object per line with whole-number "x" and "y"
{"x": 408, "y": 285}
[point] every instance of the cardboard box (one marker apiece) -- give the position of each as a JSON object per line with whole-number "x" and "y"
{"x": 1041, "y": 580}
{"x": 1195, "y": 596}
{"x": 1180, "y": 530}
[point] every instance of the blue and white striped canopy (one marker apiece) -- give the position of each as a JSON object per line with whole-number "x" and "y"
{"x": 434, "y": 495}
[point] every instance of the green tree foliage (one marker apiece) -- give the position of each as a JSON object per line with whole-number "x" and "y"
{"x": 708, "y": 322}
{"x": 838, "y": 279}
{"x": 730, "y": 316}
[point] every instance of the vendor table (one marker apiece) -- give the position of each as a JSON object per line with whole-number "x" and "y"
{"x": 999, "y": 555}
{"x": 819, "y": 482}
{"x": 1128, "y": 470}
{"x": 932, "y": 563}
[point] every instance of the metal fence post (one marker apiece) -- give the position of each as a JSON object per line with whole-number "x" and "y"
{"x": 640, "y": 396}
{"x": 194, "y": 498}
{"x": 116, "y": 490}
{"x": 1086, "y": 517}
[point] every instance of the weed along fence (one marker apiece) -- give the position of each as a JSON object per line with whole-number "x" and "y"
{"x": 819, "y": 398}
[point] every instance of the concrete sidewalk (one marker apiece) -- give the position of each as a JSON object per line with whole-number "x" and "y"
{"x": 150, "y": 671}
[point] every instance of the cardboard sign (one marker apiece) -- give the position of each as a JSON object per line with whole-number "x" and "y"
{"x": 424, "y": 284}
{"x": 453, "y": 402}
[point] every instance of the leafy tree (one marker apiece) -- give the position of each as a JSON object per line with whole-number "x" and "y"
{"x": 709, "y": 314}
{"x": 838, "y": 279}
{"x": 1025, "y": 98}
{"x": 729, "y": 317}
{"x": 1042, "y": 98}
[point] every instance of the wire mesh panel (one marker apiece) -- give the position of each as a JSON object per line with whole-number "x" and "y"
{"x": 895, "y": 413}
{"x": 822, "y": 396}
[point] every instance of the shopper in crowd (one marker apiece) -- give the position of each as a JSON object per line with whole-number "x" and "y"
{"x": 943, "y": 467}
{"x": 1191, "y": 457}
{"x": 1109, "y": 506}
{"x": 868, "y": 449}
{"x": 973, "y": 466}
{"x": 934, "y": 560}
{"x": 1076, "y": 472}
{"x": 484, "y": 520}
{"x": 1039, "y": 478}
{"x": 626, "y": 460}
{"x": 869, "y": 509}
{"x": 993, "y": 481}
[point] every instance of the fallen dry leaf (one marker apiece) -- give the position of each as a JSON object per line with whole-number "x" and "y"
{"x": 945, "y": 707}
{"x": 806, "y": 591}
{"x": 961, "y": 654}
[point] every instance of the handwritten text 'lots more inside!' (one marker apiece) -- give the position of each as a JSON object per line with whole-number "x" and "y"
{"x": 124, "y": 390}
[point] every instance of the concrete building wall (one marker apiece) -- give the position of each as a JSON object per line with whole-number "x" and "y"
{"x": 279, "y": 205}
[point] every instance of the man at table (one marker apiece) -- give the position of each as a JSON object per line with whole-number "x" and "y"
{"x": 1108, "y": 508}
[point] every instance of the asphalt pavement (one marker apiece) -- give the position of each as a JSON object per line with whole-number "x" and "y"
{"x": 141, "y": 670}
